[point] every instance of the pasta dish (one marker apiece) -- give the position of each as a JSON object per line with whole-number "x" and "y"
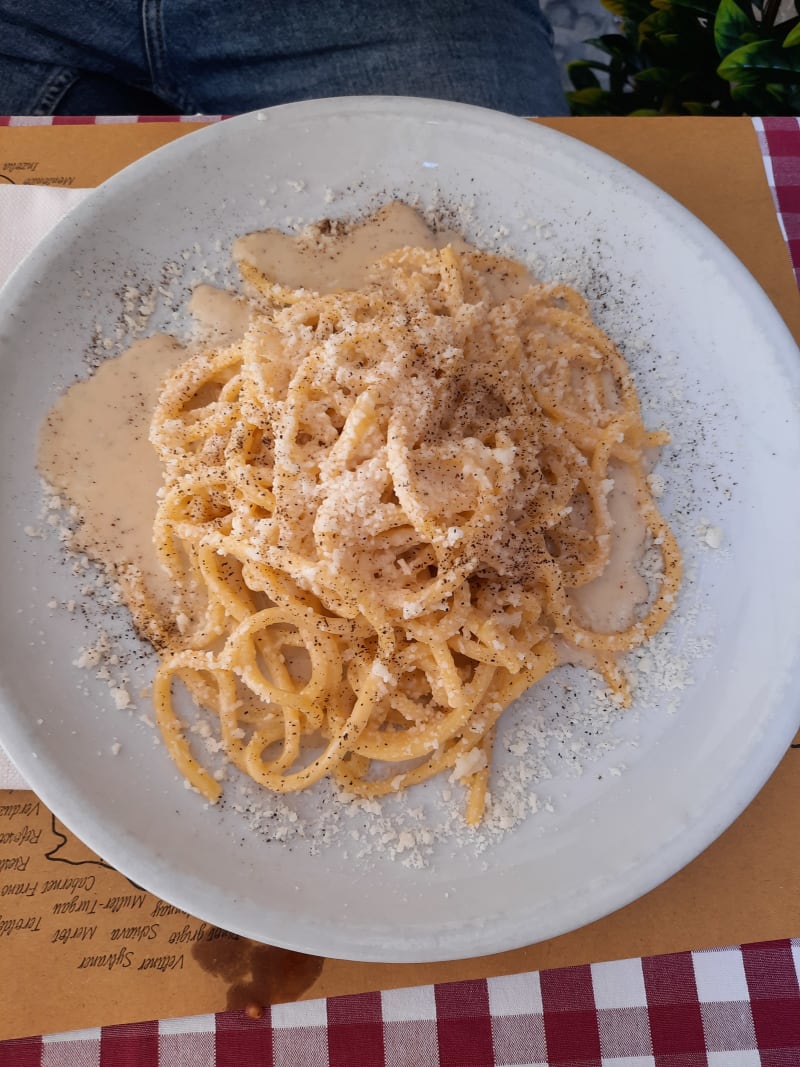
{"x": 379, "y": 509}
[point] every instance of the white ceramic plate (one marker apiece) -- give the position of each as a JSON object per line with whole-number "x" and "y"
{"x": 717, "y": 702}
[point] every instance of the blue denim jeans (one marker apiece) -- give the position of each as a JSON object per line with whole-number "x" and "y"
{"x": 228, "y": 56}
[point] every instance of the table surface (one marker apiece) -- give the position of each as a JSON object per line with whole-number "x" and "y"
{"x": 716, "y": 169}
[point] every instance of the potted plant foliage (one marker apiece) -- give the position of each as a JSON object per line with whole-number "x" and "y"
{"x": 693, "y": 57}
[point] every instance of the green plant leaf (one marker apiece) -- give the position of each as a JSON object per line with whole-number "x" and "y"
{"x": 793, "y": 94}
{"x": 759, "y": 62}
{"x": 619, "y": 75}
{"x": 590, "y": 96}
{"x": 655, "y": 23}
{"x": 777, "y": 92}
{"x": 642, "y": 111}
{"x": 785, "y": 98}
{"x": 675, "y": 30}
{"x": 615, "y": 45}
{"x": 730, "y": 25}
{"x": 664, "y": 60}
{"x": 706, "y": 8}
{"x": 591, "y": 101}
{"x": 627, "y": 9}
{"x": 581, "y": 74}
{"x": 655, "y": 76}
{"x": 792, "y": 38}
{"x": 767, "y": 99}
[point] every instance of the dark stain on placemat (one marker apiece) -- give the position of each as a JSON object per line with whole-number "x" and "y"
{"x": 257, "y": 974}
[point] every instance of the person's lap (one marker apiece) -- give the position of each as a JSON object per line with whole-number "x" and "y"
{"x": 188, "y": 56}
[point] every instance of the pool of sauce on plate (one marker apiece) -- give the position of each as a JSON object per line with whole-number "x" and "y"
{"x": 94, "y": 445}
{"x": 609, "y": 603}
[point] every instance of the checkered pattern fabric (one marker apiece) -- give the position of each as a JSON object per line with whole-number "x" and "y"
{"x": 732, "y": 1007}
{"x": 780, "y": 146}
{"x": 100, "y": 120}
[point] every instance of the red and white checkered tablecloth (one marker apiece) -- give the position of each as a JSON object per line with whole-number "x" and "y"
{"x": 101, "y": 120}
{"x": 779, "y": 139}
{"x": 732, "y": 1007}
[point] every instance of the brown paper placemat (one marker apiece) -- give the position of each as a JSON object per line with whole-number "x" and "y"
{"x": 81, "y": 945}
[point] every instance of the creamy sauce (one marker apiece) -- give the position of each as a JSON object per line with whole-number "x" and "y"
{"x": 94, "y": 446}
{"x": 337, "y": 258}
{"x": 609, "y": 603}
{"x": 220, "y": 317}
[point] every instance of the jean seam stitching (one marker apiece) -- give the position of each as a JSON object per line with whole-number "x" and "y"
{"x": 156, "y": 52}
{"x": 53, "y": 90}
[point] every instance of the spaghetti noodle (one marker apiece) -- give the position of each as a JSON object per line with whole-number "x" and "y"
{"x": 377, "y": 508}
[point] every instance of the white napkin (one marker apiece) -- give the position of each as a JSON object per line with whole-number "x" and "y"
{"x": 27, "y": 213}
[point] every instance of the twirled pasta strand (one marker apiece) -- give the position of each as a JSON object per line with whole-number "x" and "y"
{"x": 375, "y": 509}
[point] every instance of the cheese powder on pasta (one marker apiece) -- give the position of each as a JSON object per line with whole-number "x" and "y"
{"x": 378, "y": 511}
